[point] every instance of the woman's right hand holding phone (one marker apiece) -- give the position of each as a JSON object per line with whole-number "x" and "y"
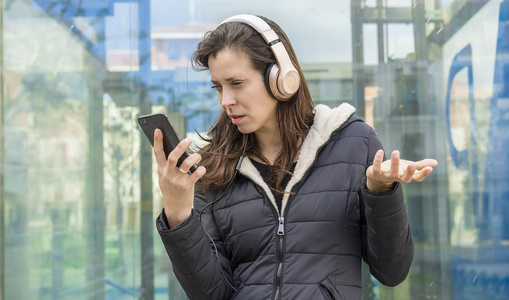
{"x": 176, "y": 185}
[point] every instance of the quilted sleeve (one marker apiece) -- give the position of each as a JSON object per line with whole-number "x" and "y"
{"x": 202, "y": 272}
{"x": 388, "y": 246}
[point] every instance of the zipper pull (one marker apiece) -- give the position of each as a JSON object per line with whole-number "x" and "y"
{"x": 281, "y": 228}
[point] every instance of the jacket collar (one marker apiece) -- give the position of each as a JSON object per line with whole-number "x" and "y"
{"x": 326, "y": 121}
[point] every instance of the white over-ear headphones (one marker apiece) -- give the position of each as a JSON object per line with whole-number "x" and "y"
{"x": 282, "y": 79}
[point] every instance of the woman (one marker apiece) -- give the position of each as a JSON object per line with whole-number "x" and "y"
{"x": 311, "y": 199}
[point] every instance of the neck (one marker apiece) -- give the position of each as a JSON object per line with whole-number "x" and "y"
{"x": 270, "y": 144}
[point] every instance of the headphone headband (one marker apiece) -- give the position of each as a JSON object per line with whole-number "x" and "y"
{"x": 283, "y": 79}
{"x": 257, "y": 23}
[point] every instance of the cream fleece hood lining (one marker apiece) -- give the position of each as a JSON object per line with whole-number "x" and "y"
{"x": 326, "y": 121}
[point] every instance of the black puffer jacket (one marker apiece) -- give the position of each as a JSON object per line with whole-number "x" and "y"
{"x": 313, "y": 249}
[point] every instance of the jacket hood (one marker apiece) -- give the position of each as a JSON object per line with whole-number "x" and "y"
{"x": 327, "y": 120}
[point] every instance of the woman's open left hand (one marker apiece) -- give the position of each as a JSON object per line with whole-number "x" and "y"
{"x": 382, "y": 174}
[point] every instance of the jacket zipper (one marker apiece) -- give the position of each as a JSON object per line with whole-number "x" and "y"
{"x": 278, "y": 282}
{"x": 281, "y": 226}
{"x": 281, "y": 233}
{"x": 280, "y": 255}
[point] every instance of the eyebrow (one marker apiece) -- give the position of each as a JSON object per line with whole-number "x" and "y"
{"x": 227, "y": 80}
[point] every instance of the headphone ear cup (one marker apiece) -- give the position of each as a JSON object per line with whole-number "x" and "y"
{"x": 270, "y": 81}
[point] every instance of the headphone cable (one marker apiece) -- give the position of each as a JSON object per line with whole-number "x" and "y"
{"x": 239, "y": 163}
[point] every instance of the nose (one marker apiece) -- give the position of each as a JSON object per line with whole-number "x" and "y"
{"x": 227, "y": 99}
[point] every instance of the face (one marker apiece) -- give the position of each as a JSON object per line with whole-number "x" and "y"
{"x": 242, "y": 93}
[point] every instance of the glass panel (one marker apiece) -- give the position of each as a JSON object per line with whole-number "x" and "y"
{"x": 400, "y": 3}
{"x": 370, "y": 39}
{"x": 400, "y": 41}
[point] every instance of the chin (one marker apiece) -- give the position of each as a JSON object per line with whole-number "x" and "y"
{"x": 245, "y": 130}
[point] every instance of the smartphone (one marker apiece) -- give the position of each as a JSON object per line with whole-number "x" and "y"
{"x": 149, "y": 123}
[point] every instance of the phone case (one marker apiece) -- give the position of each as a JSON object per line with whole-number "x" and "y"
{"x": 149, "y": 123}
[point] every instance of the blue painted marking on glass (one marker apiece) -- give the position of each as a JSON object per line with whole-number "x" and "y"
{"x": 462, "y": 159}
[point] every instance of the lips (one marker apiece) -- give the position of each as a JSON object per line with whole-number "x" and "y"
{"x": 236, "y": 118}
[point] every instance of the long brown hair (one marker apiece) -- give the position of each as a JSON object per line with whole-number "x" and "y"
{"x": 225, "y": 141}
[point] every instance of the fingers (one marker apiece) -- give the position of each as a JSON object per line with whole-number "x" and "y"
{"x": 200, "y": 171}
{"x": 422, "y": 169}
{"x": 168, "y": 172}
{"x": 159, "y": 148}
{"x": 177, "y": 153}
{"x": 377, "y": 162}
{"x": 394, "y": 171}
{"x": 408, "y": 174}
{"x": 422, "y": 174}
{"x": 185, "y": 166}
{"x": 170, "y": 162}
{"x": 417, "y": 171}
{"x": 377, "y": 174}
{"x": 383, "y": 173}
{"x": 192, "y": 160}
{"x": 428, "y": 162}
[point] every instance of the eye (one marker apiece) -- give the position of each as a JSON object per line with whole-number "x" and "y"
{"x": 216, "y": 87}
{"x": 236, "y": 82}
